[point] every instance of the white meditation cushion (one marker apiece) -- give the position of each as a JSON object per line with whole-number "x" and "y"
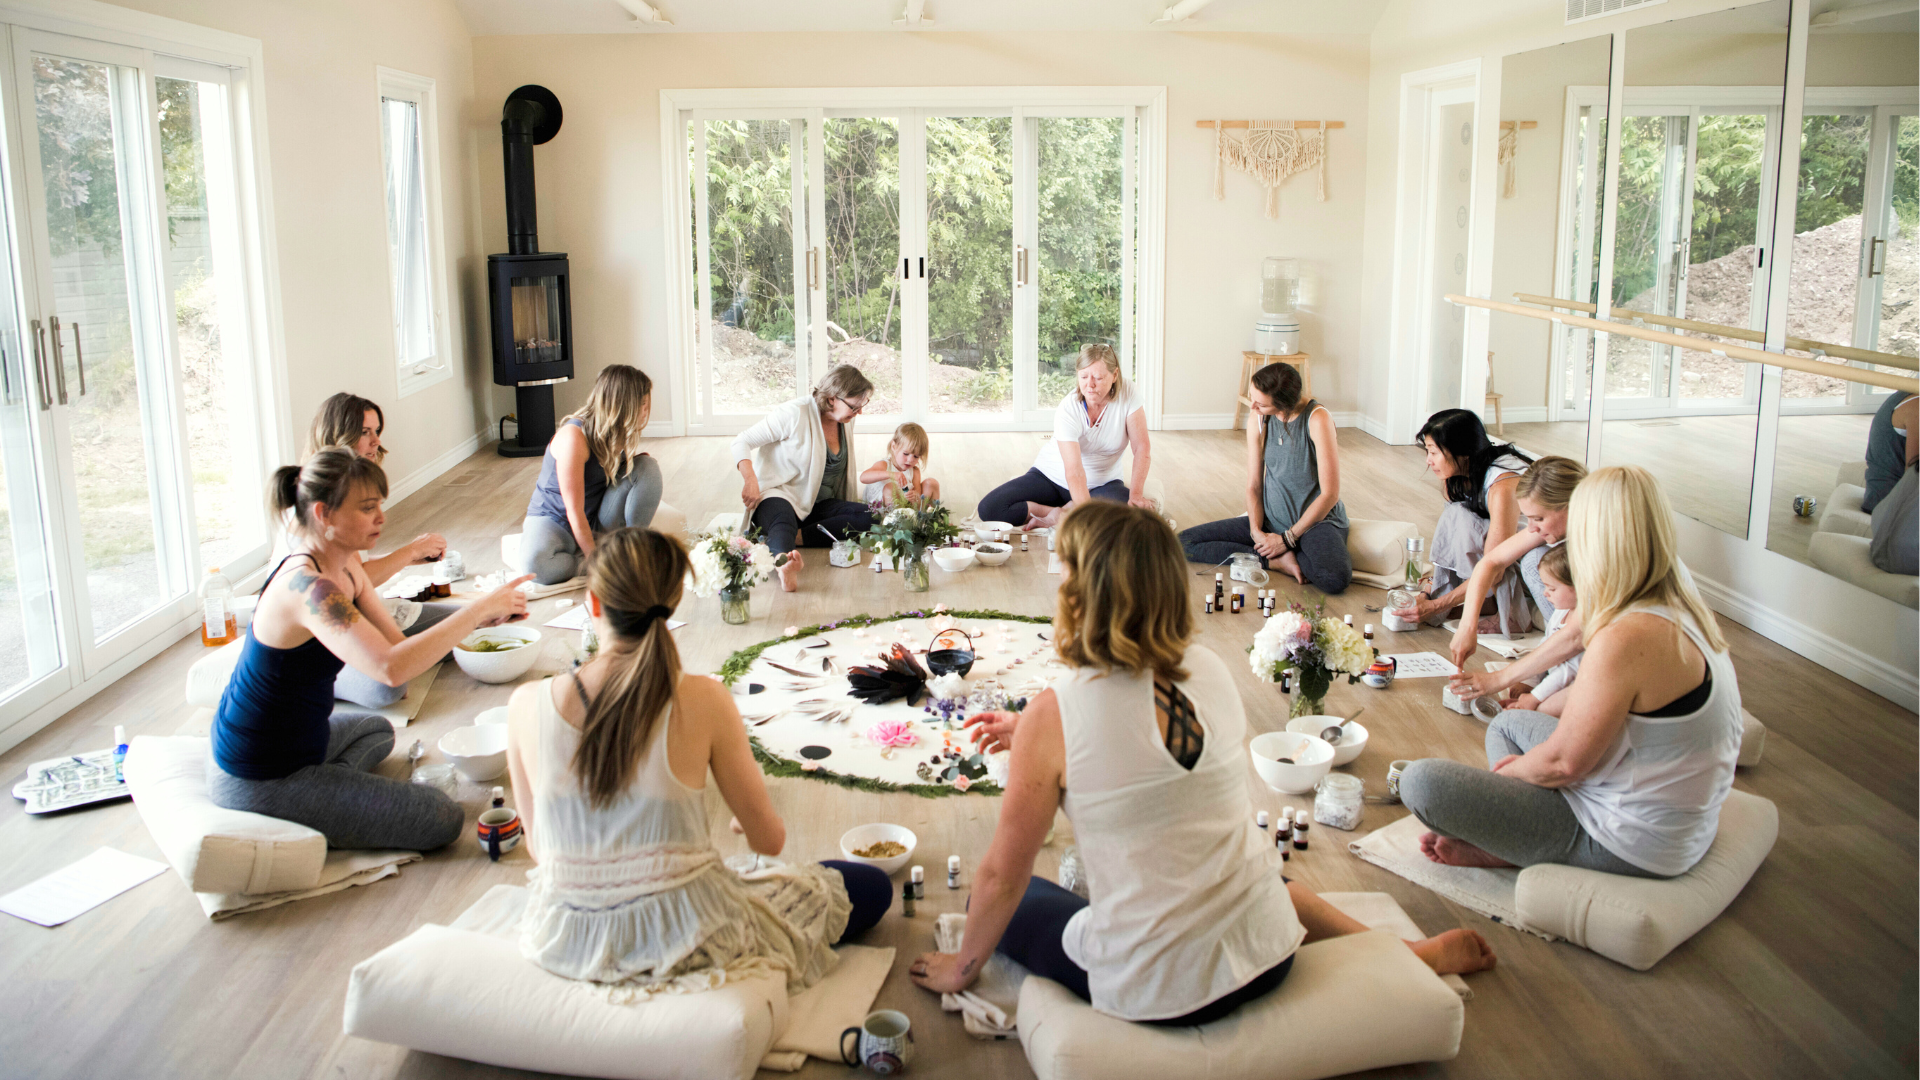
{"x": 1853, "y": 472}
{"x": 1842, "y": 514}
{"x": 1637, "y": 921}
{"x": 1363, "y": 1001}
{"x": 1847, "y": 558}
{"x": 215, "y": 850}
{"x": 728, "y": 519}
{"x": 207, "y": 678}
{"x": 1156, "y": 491}
{"x": 1753, "y": 739}
{"x": 468, "y": 993}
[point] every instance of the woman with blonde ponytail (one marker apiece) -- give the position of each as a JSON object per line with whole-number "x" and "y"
{"x": 629, "y": 889}
{"x": 1630, "y": 778}
{"x": 594, "y": 477}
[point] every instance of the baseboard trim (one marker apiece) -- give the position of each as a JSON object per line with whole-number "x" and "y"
{"x": 433, "y": 470}
{"x": 1520, "y": 414}
{"x": 1836, "y": 656}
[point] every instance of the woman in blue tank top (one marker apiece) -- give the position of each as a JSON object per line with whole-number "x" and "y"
{"x": 1295, "y": 520}
{"x": 279, "y": 749}
{"x": 593, "y": 479}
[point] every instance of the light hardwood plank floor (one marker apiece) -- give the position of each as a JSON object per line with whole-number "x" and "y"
{"x": 1811, "y": 972}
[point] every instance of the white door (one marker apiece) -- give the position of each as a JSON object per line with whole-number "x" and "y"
{"x": 1447, "y": 226}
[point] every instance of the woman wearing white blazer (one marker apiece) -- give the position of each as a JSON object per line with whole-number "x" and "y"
{"x": 797, "y": 472}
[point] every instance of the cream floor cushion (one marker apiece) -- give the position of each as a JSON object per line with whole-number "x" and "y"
{"x": 1364, "y": 1001}
{"x": 465, "y": 991}
{"x": 1841, "y": 512}
{"x": 1379, "y": 551}
{"x": 1847, "y": 558}
{"x": 215, "y": 850}
{"x": 1637, "y": 921}
{"x": 1853, "y": 472}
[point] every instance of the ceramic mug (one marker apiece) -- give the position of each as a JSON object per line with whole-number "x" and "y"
{"x": 883, "y": 1043}
{"x": 1393, "y": 779}
{"x": 499, "y": 831}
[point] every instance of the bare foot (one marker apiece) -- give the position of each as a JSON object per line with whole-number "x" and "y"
{"x": 789, "y": 572}
{"x": 1489, "y": 624}
{"x": 1447, "y": 851}
{"x": 1289, "y": 564}
{"x": 1456, "y": 952}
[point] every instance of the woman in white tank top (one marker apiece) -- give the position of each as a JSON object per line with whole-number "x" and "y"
{"x": 1630, "y": 779}
{"x": 612, "y": 763}
{"x": 1144, "y": 746}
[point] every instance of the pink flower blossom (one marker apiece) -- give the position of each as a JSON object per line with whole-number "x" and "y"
{"x": 961, "y": 783}
{"x": 792, "y": 631}
{"x": 893, "y": 733}
{"x": 809, "y": 766}
{"x": 740, "y": 543}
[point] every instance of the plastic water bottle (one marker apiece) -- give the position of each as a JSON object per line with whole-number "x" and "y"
{"x": 217, "y": 623}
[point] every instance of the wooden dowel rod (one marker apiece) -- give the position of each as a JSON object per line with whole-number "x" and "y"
{"x": 1737, "y": 352}
{"x": 1523, "y": 125}
{"x": 1844, "y": 352}
{"x": 1298, "y": 124}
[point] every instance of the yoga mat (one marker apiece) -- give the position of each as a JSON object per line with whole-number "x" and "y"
{"x": 1396, "y": 848}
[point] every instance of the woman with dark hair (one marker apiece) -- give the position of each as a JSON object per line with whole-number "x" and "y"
{"x": 1479, "y": 478}
{"x": 593, "y": 479}
{"x": 1294, "y": 519}
{"x": 1143, "y": 744}
{"x": 797, "y": 472}
{"x": 612, "y": 761}
{"x": 279, "y": 747}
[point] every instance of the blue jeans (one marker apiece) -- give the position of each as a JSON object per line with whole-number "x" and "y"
{"x": 1008, "y": 502}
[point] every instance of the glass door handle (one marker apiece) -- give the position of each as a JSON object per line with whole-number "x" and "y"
{"x": 59, "y": 360}
{"x": 1019, "y": 265}
{"x": 1875, "y": 246}
{"x": 813, "y": 268}
{"x": 40, "y": 365}
{"x": 79, "y": 361}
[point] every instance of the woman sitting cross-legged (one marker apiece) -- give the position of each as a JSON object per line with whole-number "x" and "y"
{"x": 1479, "y": 478}
{"x": 593, "y": 478}
{"x": 1293, "y": 490}
{"x": 1630, "y": 778}
{"x": 613, "y": 762}
{"x": 276, "y": 749}
{"x": 797, "y": 472}
{"x": 1143, "y": 744}
{"x": 1097, "y": 421}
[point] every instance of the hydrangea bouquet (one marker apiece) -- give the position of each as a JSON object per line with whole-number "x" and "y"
{"x": 907, "y": 532}
{"x": 1315, "y": 647}
{"x": 731, "y": 564}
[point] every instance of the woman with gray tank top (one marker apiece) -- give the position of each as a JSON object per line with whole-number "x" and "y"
{"x": 1295, "y": 520}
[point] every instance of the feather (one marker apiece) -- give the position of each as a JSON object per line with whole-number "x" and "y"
{"x": 901, "y": 677}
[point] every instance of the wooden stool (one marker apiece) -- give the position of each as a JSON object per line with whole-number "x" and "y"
{"x": 1251, "y": 362}
{"x": 1493, "y": 401}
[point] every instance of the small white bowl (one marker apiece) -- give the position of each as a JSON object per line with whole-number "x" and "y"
{"x": 953, "y": 559}
{"x": 993, "y": 553}
{"x": 1312, "y": 757}
{"x": 1354, "y": 738}
{"x": 996, "y": 531}
{"x": 862, "y": 836}
{"x": 495, "y": 715}
{"x": 479, "y": 751}
{"x": 498, "y": 667}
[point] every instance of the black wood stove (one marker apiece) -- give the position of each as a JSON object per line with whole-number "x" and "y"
{"x": 527, "y": 289}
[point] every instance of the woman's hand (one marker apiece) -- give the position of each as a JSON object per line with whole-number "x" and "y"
{"x": 992, "y": 731}
{"x": 427, "y": 547}
{"x": 1465, "y": 641}
{"x": 942, "y": 973}
{"x": 1505, "y": 761}
{"x": 750, "y": 491}
{"x": 503, "y": 604}
{"x": 1472, "y": 684}
{"x": 1269, "y": 545}
{"x": 1139, "y": 499}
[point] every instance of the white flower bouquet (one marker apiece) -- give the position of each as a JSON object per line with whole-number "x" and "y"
{"x": 731, "y": 564}
{"x": 1315, "y": 647}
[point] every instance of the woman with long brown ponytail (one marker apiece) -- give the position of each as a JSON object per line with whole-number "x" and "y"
{"x": 629, "y": 888}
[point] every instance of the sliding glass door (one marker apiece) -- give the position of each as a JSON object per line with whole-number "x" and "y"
{"x": 960, "y": 257}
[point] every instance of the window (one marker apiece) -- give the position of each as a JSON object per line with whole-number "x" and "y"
{"x": 407, "y": 148}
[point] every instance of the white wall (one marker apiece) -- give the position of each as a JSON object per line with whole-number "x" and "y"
{"x": 329, "y": 204}
{"x": 1857, "y": 634}
{"x": 600, "y": 199}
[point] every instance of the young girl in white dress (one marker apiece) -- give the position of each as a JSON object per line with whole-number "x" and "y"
{"x": 899, "y": 472}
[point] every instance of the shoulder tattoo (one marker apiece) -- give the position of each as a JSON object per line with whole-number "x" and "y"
{"x": 328, "y": 600}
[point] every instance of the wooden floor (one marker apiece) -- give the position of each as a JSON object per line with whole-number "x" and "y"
{"x": 1811, "y": 972}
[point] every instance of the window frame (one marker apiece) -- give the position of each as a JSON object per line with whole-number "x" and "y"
{"x": 392, "y": 84}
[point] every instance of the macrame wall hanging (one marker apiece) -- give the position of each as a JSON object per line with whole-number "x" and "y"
{"x": 1509, "y": 146}
{"x": 1270, "y": 151}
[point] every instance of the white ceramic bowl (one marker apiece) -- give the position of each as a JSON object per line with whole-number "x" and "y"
{"x": 996, "y": 531}
{"x": 495, "y": 715}
{"x": 1348, "y": 748}
{"x": 1311, "y": 755}
{"x": 993, "y": 553}
{"x": 862, "y": 836}
{"x": 499, "y": 667}
{"x": 479, "y": 751}
{"x": 953, "y": 559}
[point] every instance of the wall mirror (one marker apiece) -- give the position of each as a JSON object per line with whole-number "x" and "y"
{"x": 1698, "y": 167}
{"x": 1854, "y": 278}
{"x": 1553, "y": 115}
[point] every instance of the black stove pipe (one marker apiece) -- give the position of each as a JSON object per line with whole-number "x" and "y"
{"x": 517, "y": 123}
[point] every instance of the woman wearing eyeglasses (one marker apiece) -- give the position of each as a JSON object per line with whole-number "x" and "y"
{"x": 797, "y": 473}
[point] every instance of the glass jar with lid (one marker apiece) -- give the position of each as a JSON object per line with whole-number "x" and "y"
{"x": 1337, "y": 801}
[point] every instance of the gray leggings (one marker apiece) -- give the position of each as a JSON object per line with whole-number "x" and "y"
{"x": 548, "y": 550}
{"x": 1512, "y": 819}
{"x": 344, "y": 798}
{"x": 1324, "y": 559}
{"x": 365, "y": 690}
